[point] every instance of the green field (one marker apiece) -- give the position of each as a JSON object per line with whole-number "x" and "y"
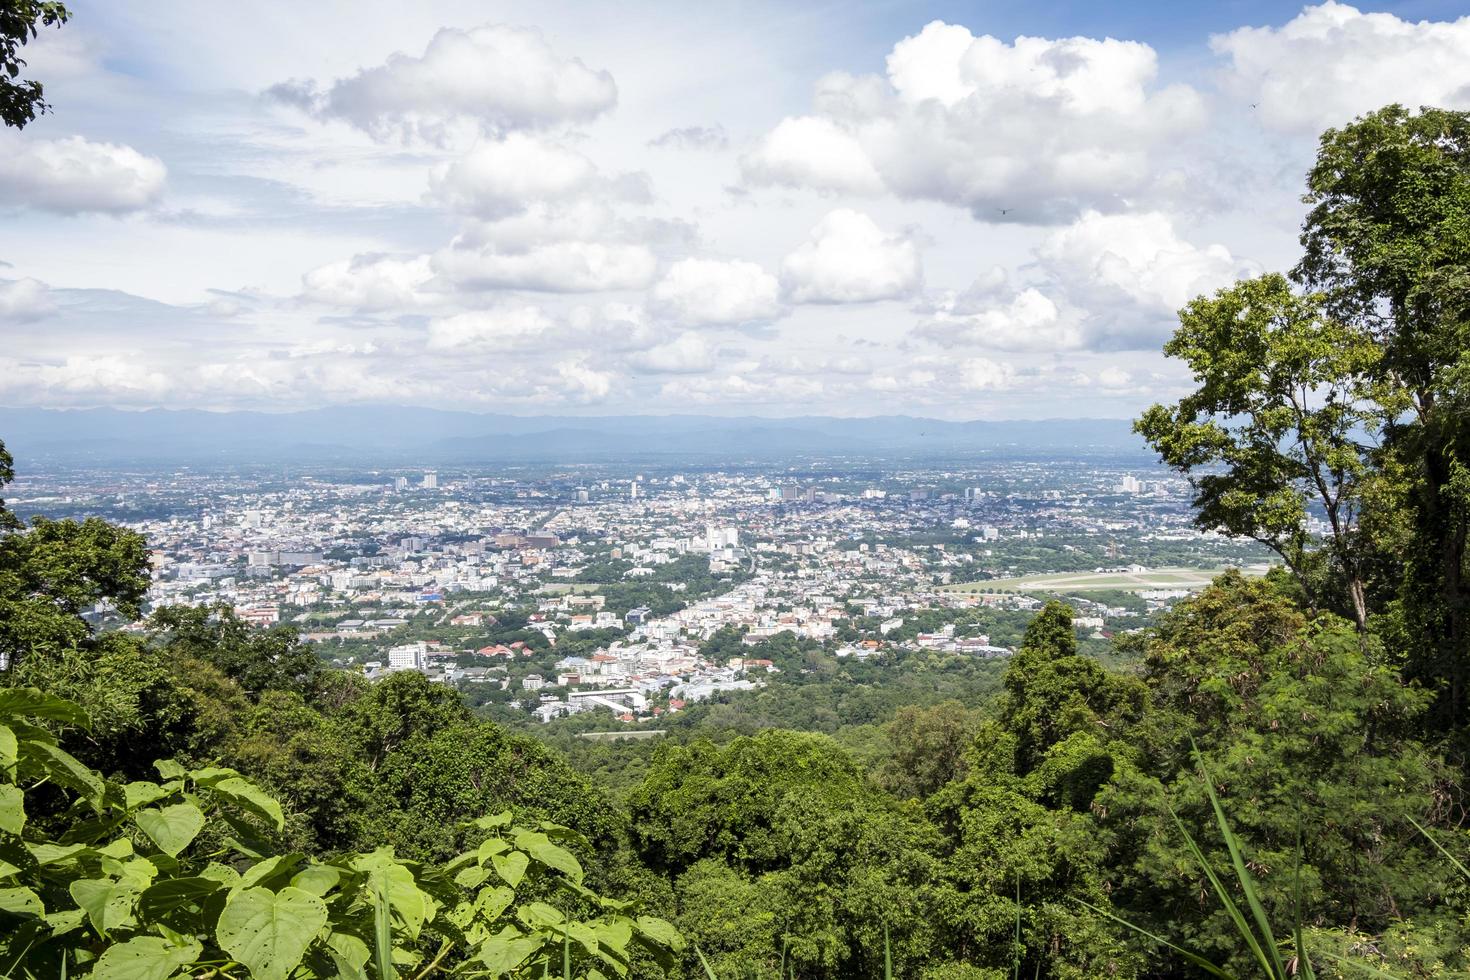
{"x": 1153, "y": 578}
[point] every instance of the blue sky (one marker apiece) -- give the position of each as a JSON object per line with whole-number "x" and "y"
{"x": 959, "y": 210}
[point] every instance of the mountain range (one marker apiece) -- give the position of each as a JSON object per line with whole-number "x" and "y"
{"x": 379, "y": 434}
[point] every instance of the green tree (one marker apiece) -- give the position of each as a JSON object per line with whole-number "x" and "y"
{"x": 927, "y": 747}
{"x": 1277, "y": 427}
{"x": 258, "y": 660}
{"x": 1388, "y": 242}
{"x": 54, "y": 571}
{"x": 20, "y": 21}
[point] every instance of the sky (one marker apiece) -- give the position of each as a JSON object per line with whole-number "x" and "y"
{"x": 952, "y": 210}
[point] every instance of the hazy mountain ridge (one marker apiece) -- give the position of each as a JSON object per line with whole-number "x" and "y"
{"x": 434, "y": 435}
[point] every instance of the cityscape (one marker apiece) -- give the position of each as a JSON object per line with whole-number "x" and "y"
{"x": 559, "y": 592}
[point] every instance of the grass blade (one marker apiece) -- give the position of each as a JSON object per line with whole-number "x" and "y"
{"x": 1223, "y": 894}
{"x": 887, "y": 955}
{"x": 1194, "y": 958}
{"x": 1450, "y": 857}
{"x": 1275, "y": 966}
{"x": 705, "y": 963}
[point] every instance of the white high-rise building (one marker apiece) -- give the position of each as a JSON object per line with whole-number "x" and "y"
{"x": 431, "y": 480}
{"x": 633, "y": 490}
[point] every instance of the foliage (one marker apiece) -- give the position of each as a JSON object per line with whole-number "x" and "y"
{"x": 150, "y": 878}
{"x": 21, "y": 100}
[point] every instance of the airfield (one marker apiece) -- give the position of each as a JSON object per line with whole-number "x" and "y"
{"x": 1144, "y": 580}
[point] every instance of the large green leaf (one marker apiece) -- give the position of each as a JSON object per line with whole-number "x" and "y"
{"x": 247, "y": 795}
{"x": 108, "y": 903}
{"x": 21, "y": 901}
{"x": 269, "y": 931}
{"x": 67, "y": 771}
{"x": 540, "y": 847}
{"x": 511, "y": 867}
{"x": 171, "y": 828}
{"x": 12, "y": 808}
{"x": 145, "y": 958}
{"x": 349, "y": 954}
{"x": 507, "y": 950}
{"x": 9, "y": 747}
{"x": 29, "y": 702}
{"x": 174, "y": 893}
{"x": 411, "y": 906}
{"x": 142, "y": 793}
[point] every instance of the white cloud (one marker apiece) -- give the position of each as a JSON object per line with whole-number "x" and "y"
{"x": 697, "y": 292}
{"x": 1135, "y": 259}
{"x": 809, "y": 151}
{"x": 1039, "y": 127}
{"x": 24, "y": 300}
{"x": 371, "y": 282}
{"x": 686, "y": 354}
{"x": 1108, "y": 282}
{"x": 1026, "y": 320}
{"x": 497, "y": 78}
{"x": 1333, "y": 62}
{"x": 509, "y": 328}
{"x": 584, "y": 383}
{"x": 849, "y": 259}
{"x": 74, "y": 175}
{"x": 561, "y": 267}
{"x": 692, "y": 138}
{"x": 983, "y": 374}
{"x": 502, "y": 177}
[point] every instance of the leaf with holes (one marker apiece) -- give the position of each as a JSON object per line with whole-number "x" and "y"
{"x": 269, "y": 931}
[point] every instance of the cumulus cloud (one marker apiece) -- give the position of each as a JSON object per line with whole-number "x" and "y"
{"x": 75, "y": 175}
{"x": 24, "y": 300}
{"x": 686, "y": 354}
{"x": 1039, "y": 128}
{"x": 700, "y": 292}
{"x": 983, "y": 374}
{"x": 809, "y": 151}
{"x": 692, "y": 138}
{"x": 1137, "y": 260}
{"x": 584, "y": 383}
{"x": 1107, "y": 282}
{"x": 371, "y": 282}
{"x": 502, "y": 177}
{"x": 509, "y": 328}
{"x": 1027, "y": 320}
{"x": 1332, "y": 62}
{"x": 849, "y": 259}
{"x": 559, "y": 267}
{"x": 496, "y": 78}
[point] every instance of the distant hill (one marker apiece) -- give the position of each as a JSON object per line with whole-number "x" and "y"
{"x": 379, "y": 434}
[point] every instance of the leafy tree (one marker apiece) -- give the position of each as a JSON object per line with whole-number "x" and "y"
{"x": 20, "y": 21}
{"x": 1052, "y": 691}
{"x": 53, "y": 572}
{"x": 927, "y": 747}
{"x": 1277, "y": 425}
{"x": 1388, "y": 242}
{"x": 258, "y": 660}
{"x": 1307, "y": 731}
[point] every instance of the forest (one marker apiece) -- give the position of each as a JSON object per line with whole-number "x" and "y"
{"x": 1269, "y": 781}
